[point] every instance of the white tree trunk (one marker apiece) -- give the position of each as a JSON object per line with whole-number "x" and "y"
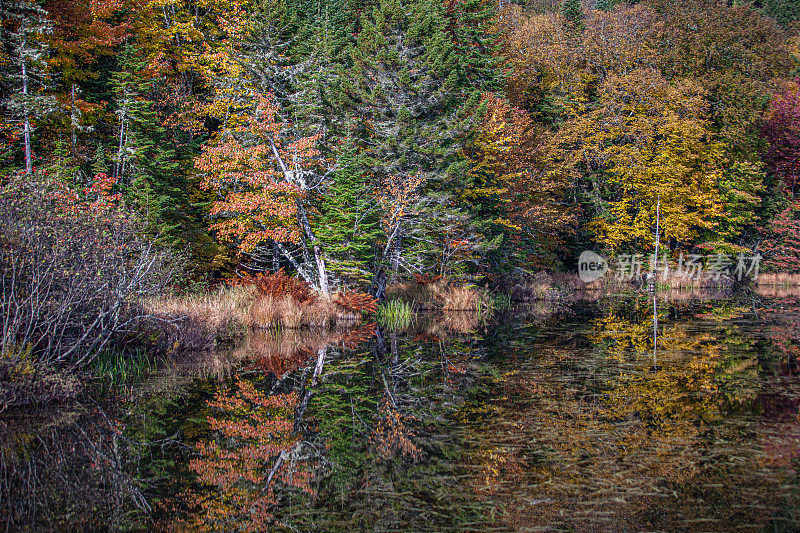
{"x": 26, "y": 111}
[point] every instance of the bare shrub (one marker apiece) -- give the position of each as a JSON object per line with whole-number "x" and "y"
{"x": 71, "y": 272}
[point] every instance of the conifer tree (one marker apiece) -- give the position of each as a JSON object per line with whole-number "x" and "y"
{"x": 348, "y": 223}
{"x": 24, "y": 26}
{"x": 572, "y": 15}
{"x": 145, "y": 163}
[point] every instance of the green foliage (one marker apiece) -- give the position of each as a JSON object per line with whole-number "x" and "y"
{"x": 117, "y": 368}
{"x": 348, "y": 223}
{"x": 742, "y": 190}
{"x": 572, "y": 14}
{"x": 395, "y": 314}
{"x": 146, "y": 163}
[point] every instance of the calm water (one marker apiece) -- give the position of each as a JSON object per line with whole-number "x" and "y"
{"x": 540, "y": 419}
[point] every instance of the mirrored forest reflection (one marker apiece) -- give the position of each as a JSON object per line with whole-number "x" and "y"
{"x": 553, "y": 417}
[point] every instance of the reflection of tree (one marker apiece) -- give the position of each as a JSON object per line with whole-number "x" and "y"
{"x": 256, "y": 450}
{"x": 383, "y": 412}
{"x": 68, "y": 470}
{"x": 591, "y": 435}
{"x": 782, "y": 327}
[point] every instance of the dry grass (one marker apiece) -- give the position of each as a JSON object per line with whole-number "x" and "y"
{"x": 226, "y": 311}
{"x": 216, "y": 309}
{"x": 780, "y": 280}
{"x": 268, "y": 311}
{"x": 420, "y": 295}
{"x": 462, "y": 298}
{"x": 440, "y": 294}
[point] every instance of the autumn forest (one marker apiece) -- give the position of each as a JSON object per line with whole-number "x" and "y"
{"x": 361, "y": 264}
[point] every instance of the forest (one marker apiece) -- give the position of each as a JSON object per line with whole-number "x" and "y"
{"x": 162, "y": 161}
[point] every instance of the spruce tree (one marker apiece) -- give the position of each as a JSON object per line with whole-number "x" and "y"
{"x": 348, "y": 222}
{"x": 145, "y": 163}
{"x": 572, "y": 15}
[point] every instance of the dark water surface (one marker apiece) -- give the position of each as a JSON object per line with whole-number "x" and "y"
{"x": 540, "y": 419}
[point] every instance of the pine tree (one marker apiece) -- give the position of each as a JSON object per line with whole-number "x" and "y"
{"x": 348, "y": 223}
{"x": 572, "y": 15}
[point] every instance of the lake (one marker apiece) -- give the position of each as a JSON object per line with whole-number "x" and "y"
{"x": 562, "y": 417}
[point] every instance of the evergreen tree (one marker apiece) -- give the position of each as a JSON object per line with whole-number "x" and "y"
{"x": 145, "y": 164}
{"x": 348, "y": 223}
{"x": 572, "y": 15}
{"x": 412, "y": 84}
{"x": 23, "y": 25}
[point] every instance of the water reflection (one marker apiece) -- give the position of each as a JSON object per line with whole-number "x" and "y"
{"x": 612, "y": 415}
{"x": 608, "y": 440}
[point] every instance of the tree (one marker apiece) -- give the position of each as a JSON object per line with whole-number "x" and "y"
{"x": 735, "y": 52}
{"x": 517, "y": 203}
{"x": 781, "y": 245}
{"x": 742, "y": 191}
{"x": 782, "y": 133}
{"x": 413, "y": 84}
{"x": 83, "y": 31}
{"x": 262, "y": 175}
{"x": 643, "y": 140}
{"x": 348, "y": 223}
{"x": 572, "y": 15}
{"x": 24, "y": 28}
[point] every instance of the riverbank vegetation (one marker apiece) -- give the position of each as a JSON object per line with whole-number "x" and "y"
{"x": 173, "y": 174}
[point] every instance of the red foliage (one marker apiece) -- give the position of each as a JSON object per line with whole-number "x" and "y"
{"x": 781, "y": 247}
{"x": 256, "y": 459}
{"x": 356, "y": 302}
{"x": 279, "y": 285}
{"x": 353, "y": 337}
{"x": 425, "y": 279}
{"x": 782, "y": 131}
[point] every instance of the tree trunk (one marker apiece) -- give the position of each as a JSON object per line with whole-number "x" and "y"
{"x": 322, "y": 273}
{"x": 119, "y": 167}
{"x": 26, "y": 111}
{"x": 276, "y": 257}
{"x": 73, "y": 122}
{"x": 379, "y": 285}
{"x": 395, "y": 258}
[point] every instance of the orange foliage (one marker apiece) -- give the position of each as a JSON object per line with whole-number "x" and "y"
{"x": 425, "y": 279}
{"x": 356, "y": 302}
{"x": 258, "y": 456}
{"x": 257, "y": 200}
{"x": 392, "y": 434}
{"x": 278, "y": 285}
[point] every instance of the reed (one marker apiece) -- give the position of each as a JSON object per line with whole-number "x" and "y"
{"x": 117, "y": 368}
{"x": 215, "y": 309}
{"x": 395, "y": 314}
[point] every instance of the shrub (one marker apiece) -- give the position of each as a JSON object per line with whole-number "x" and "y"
{"x": 279, "y": 285}
{"x": 356, "y": 302}
{"x": 72, "y": 268}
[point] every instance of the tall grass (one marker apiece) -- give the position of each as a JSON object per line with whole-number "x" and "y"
{"x": 218, "y": 309}
{"x": 395, "y": 314}
{"x": 115, "y": 368}
{"x": 502, "y": 301}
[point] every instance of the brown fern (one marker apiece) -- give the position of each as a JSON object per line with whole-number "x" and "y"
{"x": 425, "y": 279}
{"x": 356, "y": 302}
{"x": 279, "y": 285}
